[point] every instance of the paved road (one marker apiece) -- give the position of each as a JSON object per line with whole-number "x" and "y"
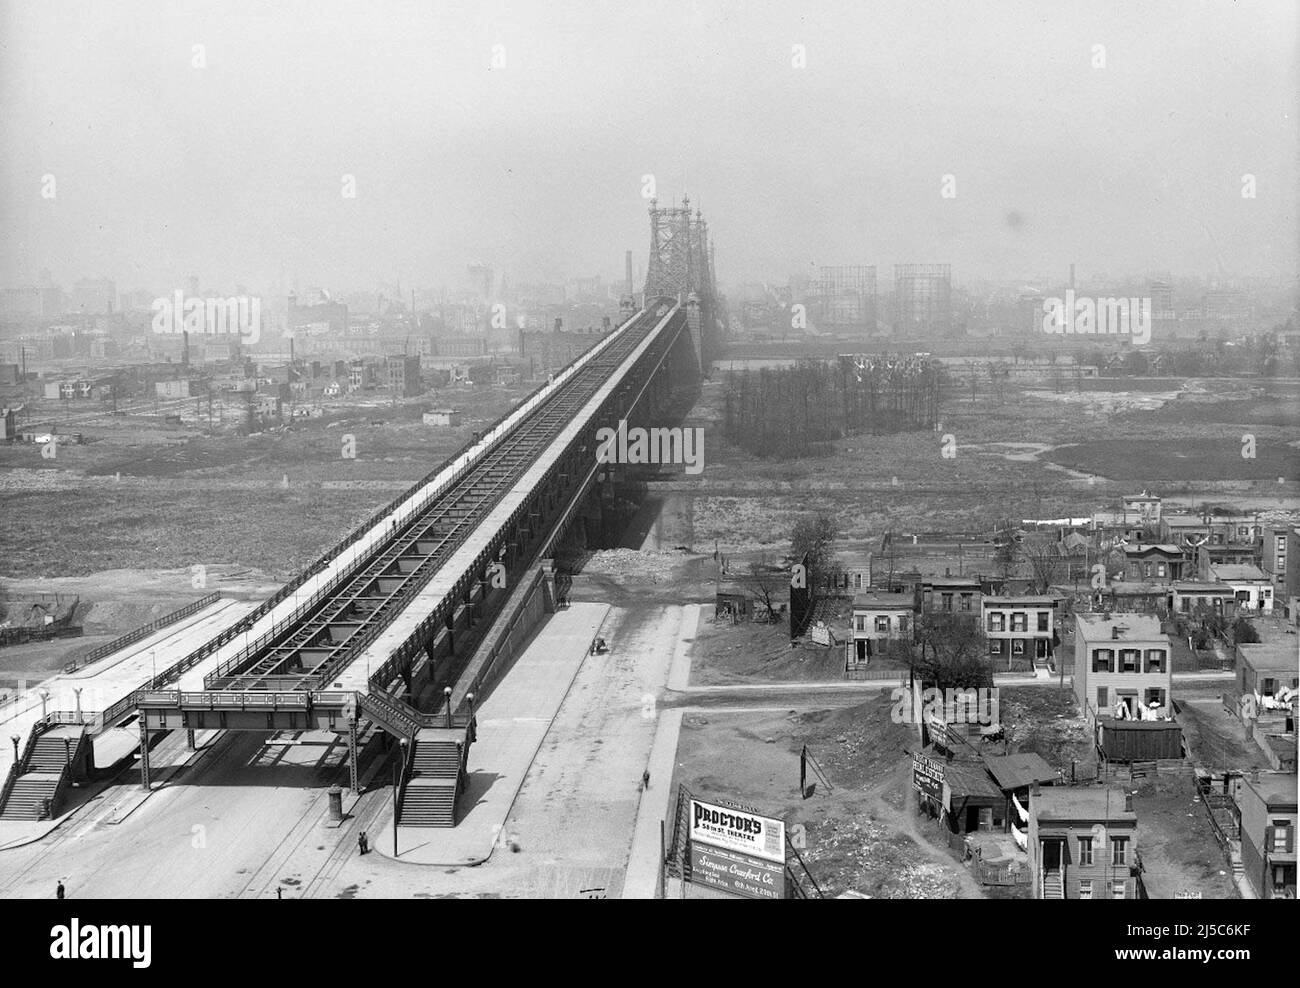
{"x": 209, "y": 835}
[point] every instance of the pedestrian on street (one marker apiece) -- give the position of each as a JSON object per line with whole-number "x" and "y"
{"x": 279, "y": 891}
{"x": 362, "y": 842}
{"x": 645, "y": 779}
{"x": 59, "y": 892}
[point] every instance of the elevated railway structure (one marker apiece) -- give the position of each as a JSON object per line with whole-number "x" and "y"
{"x": 343, "y": 643}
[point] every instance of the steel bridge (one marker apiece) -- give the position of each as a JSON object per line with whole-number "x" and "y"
{"x": 343, "y": 642}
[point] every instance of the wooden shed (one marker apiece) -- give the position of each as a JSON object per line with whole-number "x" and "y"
{"x": 1138, "y": 740}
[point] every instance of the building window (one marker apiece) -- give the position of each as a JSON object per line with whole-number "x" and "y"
{"x": 1017, "y": 646}
{"x": 1103, "y": 696}
{"x": 1103, "y": 660}
{"x": 1160, "y": 569}
{"x": 1119, "y": 851}
{"x": 862, "y": 623}
{"x": 1119, "y": 889}
{"x": 1019, "y": 621}
{"x": 902, "y": 622}
{"x": 1182, "y": 605}
{"x": 1281, "y": 837}
{"x": 1129, "y": 659}
{"x": 882, "y": 623}
{"x": 1085, "y": 850}
{"x": 967, "y": 601}
{"x": 997, "y": 622}
{"x": 1085, "y": 889}
{"x": 857, "y": 581}
{"x": 995, "y": 646}
{"x": 1156, "y": 660}
{"x": 1156, "y": 696}
{"x": 947, "y": 601}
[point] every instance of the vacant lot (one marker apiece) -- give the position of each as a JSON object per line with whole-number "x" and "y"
{"x": 1024, "y": 454}
{"x": 271, "y": 502}
{"x": 1146, "y": 462}
{"x": 862, "y": 835}
{"x": 1176, "y": 842}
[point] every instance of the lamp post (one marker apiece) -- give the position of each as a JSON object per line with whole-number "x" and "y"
{"x": 77, "y": 690}
{"x": 446, "y": 695}
{"x": 15, "y": 738}
{"x": 397, "y": 782}
{"x": 45, "y": 699}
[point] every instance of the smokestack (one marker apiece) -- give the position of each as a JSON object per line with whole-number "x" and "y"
{"x": 629, "y": 272}
{"x": 185, "y": 348}
{"x": 1071, "y": 277}
{"x": 1128, "y": 802}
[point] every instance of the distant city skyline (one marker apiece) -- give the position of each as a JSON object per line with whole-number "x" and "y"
{"x": 147, "y": 144}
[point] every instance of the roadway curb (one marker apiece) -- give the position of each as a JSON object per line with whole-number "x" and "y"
{"x": 475, "y": 862}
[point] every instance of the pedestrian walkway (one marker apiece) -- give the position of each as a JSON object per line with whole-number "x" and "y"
{"x": 643, "y": 865}
{"x": 98, "y": 686}
{"x": 512, "y": 723}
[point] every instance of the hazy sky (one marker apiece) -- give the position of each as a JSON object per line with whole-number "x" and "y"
{"x": 234, "y": 171}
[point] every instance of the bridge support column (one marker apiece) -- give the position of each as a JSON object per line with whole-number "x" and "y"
{"x": 352, "y": 756}
{"x": 144, "y": 753}
{"x": 189, "y": 739}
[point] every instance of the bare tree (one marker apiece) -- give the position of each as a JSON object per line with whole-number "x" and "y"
{"x": 765, "y": 584}
{"x": 1044, "y": 558}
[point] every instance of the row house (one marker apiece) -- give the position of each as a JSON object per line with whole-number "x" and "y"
{"x": 1266, "y": 806}
{"x": 1282, "y": 542}
{"x": 879, "y": 619}
{"x": 1193, "y": 599}
{"x": 1020, "y": 628}
{"x": 1250, "y": 585}
{"x": 1123, "y": 680}
{"x": 950, "y": 595}
{"x": 1082, "y": 843}
{"x": 1122, "y": 666}
{"x": 1208, "y": 556}
{"x": 1214, "y": 529}
{"x": 1153, "y": 563}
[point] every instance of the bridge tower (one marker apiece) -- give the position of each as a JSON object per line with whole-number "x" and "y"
{"x": 681, "y": 270}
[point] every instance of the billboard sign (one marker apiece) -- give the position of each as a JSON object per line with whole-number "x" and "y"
{"x": 737, "y": 830}
{"x": 740, "y": 874}
{"x": 927, "y": 776}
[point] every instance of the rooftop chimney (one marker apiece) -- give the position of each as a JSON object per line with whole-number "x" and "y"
{"x": 1033, "y": 788}
{"x": 1114, "y": 632}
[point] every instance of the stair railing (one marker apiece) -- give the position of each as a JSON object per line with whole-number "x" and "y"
{"x": 16, "y": 769}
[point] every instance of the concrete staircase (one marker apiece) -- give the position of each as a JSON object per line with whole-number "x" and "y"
{"x": 1052, "y": 886}
{"x": 429, "y": 799}
{"x": 44, "y": 775}
{"x": 429, "y": 803}
{"x": 435, "y": 759}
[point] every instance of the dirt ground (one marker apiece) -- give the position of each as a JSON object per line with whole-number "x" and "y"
{"x": 1176, "y": 841}
{"x": 137, "y": 495}
{"x": 1035, "y": 454}
{"x": 753, "y": 652}
{"x": 862, "y": 834}
{"x": 1214, "y": 738}
{"x": 1045, "y": 720}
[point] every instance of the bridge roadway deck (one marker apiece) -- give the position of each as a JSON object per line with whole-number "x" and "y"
{"x": 354, "y": 677}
